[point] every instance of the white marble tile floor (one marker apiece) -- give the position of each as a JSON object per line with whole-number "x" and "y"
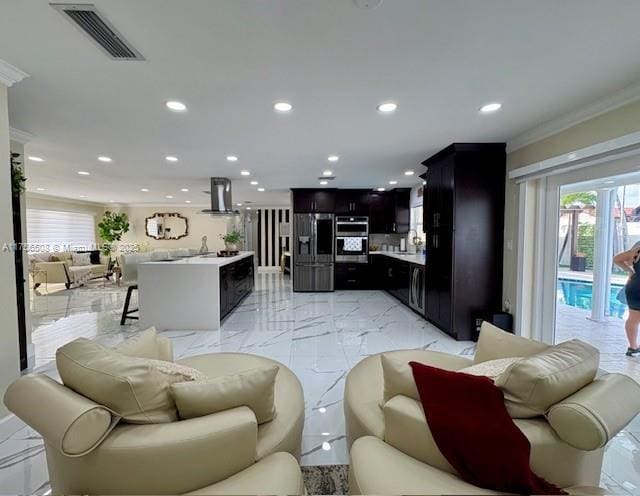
{"x": 320, "y": 336}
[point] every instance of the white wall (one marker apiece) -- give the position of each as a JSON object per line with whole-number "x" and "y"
{"x": 199, "y": 225}
{"x": 9, "y": 351}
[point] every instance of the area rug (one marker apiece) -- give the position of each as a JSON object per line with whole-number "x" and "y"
{"x": 326, "y": 479}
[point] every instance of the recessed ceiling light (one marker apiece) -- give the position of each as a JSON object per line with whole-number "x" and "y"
{"x": 33, "y": 158}
{"x": 232, "y": 158}
{"x": 83, "y": 173}
{"x": 490, "y": 107}
{"x": 261, "y": 189}
{"x": 238, "y": 204}
{"x": 333, "y": 158}
{"x": 39, "y": 189}
{"x": 187, "y": 201}
{"x": 380, "y": 189}
{"x": 184, "y": 190}
{"x": 254, "y": 183}
{"x": 393, "y": 182}
{"x": 176, "y": 106}
{"x": 283, "y": 106}
{"x": 248, "y": 208}
{"x": 327, "y": 173}
{"x": 409, "y": 173}
{"x": 245, "y": 173}
{"x": 171, "y": 158}
{"x": 144, "y": 190}
{"x": 387, "y": 107}
{"x": 105, "y": 159}
{"x": 324, "y": 183}
{"x": 169, "y": 197}
{"x": 83, "y": 196}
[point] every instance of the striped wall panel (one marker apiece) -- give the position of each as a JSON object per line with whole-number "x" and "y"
{"x": 271, "y": 244}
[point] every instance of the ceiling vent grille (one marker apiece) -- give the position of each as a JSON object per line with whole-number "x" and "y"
{"x": 92, "y": 23}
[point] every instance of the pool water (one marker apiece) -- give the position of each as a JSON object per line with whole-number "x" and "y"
{"x": 580, "y": 293}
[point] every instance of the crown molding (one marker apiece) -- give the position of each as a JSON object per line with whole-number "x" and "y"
{"x": 22, "y": 137}
{"x": 10, "y": 74}
{"x": 610, "y": 102}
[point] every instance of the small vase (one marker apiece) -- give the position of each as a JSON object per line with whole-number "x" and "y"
{"x": 231, "y": 246}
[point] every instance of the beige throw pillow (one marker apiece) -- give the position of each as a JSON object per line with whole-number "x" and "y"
{"x": 491, "y": 368}
{"x": 136, "y": 389}
{"x": 253, "y": 388}
{"x": 495, "y": 343}
{"x": 535, "y": 383}
{"x": 398, "y": 378}
{"x": 144, "y": 345}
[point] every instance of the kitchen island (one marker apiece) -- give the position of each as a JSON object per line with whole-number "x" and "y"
{"x": 193, "y": 293}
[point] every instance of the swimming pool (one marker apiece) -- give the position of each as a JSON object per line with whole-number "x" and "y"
{"x": 580, "y": 293}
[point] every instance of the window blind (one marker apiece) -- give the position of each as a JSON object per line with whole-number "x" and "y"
{"x": 54, "y": 230}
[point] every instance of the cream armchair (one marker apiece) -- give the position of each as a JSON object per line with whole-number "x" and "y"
{"x": 393, "y": 451}
{"x": 90, "y": 452}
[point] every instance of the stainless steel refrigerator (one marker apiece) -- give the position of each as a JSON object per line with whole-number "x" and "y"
{"x": 313, "y": 255}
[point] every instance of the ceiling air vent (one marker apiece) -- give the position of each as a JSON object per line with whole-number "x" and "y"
{"x": 99, "y": 29}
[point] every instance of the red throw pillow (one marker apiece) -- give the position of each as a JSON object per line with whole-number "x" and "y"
{"x": 475, "y": 433}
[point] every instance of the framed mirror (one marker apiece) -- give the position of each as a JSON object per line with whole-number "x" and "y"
{"x": 166, "y": 225}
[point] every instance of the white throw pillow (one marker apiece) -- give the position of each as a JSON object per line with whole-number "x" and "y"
{"x": 492, "y": 368}
{"x": 534, "y": 384}
{"x": 254, "y": 388}
{"x": 137, "y": 389}
{"x": 80, "y": 259}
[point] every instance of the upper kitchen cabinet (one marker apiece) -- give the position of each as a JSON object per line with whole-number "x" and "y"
{"x": 314, "y": 200}
{"x": 464, "y": 221}
{"x": 352, "y": 202}
{"x": 389, "y": 211}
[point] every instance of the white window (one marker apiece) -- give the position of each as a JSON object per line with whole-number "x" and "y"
{"x": 54, "y": 230}
{"x": 416, "y": 223}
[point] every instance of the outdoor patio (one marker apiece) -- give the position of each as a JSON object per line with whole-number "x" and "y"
{"x": 607, "y": 336}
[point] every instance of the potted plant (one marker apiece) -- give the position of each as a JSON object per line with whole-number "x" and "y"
{"x": 17, "y": 176}
{"x": 111, "y": 228}
{"x": 231, "y": 240}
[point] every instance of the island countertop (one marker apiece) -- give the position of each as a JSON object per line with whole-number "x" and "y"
{"x": 210, "y": 259}
{"x": 187, "y": 293}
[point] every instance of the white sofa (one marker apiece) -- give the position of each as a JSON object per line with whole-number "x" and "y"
{"x": 58, "y": 268}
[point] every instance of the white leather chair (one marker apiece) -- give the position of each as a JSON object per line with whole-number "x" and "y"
{"x": 393, "y": 451}
{"x": 89, "y": 452}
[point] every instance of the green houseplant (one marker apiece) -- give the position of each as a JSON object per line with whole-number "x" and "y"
{"x": 17, "y": 175}
{"x": 231, "y": 239}
{"x": 111, "y": 228}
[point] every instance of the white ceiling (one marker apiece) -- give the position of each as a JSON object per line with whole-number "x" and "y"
{"x": 230, "y": 60}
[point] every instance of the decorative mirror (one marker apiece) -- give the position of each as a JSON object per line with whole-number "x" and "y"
{"x": 166, "y": 226}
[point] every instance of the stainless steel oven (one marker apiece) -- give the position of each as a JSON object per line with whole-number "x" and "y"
{"x": 352, "y": 239}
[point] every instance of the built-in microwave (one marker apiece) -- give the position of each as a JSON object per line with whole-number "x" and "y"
{"x": 352, "y": 226}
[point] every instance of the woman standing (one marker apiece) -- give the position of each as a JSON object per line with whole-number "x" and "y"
{"x": 629, "y": 261}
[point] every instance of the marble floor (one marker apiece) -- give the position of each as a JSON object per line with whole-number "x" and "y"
{"x": 320, "y": 336}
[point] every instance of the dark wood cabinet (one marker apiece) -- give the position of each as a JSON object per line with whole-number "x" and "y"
{"x": 236, "y": 282}
{"x": 401, "y": 203}
{"x": 351, "y": 275}
{"x": 314, "y": 200}
{"x": 352, "y": 202}
{"x": 389, "y": 212}
{"x": 464, "y": 222}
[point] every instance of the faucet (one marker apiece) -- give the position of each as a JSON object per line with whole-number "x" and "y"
{"x": 416, "y": 240}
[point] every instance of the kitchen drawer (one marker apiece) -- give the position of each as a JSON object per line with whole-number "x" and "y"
{"x": 352, "y": 276}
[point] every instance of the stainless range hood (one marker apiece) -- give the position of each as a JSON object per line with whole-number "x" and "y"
{"x": 221, "y": 203}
